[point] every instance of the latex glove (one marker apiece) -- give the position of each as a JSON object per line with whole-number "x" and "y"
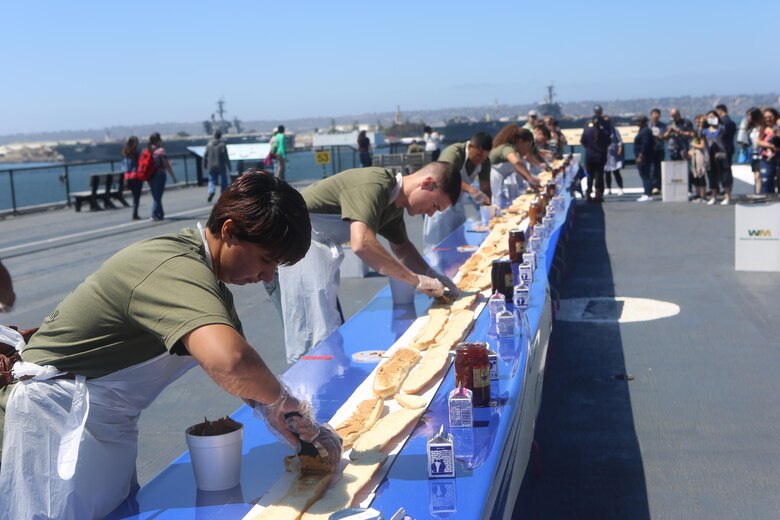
{"x": 330, "y": 440}
{"x": 446, "y": 282}
{"x": 430, "y": 286}
{"x": 481, "y": 198}
{"x": 304, "y": 424}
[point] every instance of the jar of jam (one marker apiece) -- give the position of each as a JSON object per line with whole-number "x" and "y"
{"x": 542, "y": 198}
{"x": 516, "y": 245}
{"x": 472, "y": 371}
{"x": 501, "y": 278}
{"x": 533, "y": 213}
{"x": 550, "y": 187}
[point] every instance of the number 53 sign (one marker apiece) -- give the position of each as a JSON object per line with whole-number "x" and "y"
{"x": 322, "y": 157}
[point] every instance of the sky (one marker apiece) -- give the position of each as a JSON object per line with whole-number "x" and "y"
{"x": 99, "y": 63}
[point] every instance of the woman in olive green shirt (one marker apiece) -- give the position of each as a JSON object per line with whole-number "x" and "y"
{"x": 509, "y": 147}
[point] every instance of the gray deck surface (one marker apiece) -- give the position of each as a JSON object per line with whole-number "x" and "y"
{"x": 695, "y": 434}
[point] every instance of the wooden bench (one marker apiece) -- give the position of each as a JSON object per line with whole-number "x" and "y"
{"x": 114, "y": 185}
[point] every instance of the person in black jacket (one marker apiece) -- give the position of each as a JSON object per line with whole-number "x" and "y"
{"x": 730, "y": 132}
{"x": 643, "y": 150}
{"x": 596, "y": 139}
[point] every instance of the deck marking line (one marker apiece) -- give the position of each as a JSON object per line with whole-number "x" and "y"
{"x": 92, "y": 232}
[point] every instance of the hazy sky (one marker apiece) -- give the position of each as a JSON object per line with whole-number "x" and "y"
{"x": 93, "y": 64}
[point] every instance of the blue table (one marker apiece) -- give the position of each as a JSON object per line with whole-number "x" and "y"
{"x": 493, "y": 455}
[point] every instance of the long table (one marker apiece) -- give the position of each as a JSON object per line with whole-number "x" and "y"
{"x": 492, "y": 456}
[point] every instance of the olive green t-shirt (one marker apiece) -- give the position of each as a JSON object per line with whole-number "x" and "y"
{"x": 361, "y": 194}
{"x": 456, "y": 155}
{"x": 137, "y": 305}
{"x": 499, "y": 154}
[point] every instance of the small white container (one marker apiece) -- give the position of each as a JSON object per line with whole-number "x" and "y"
{"x": 521, "y": 296}
{"x": 486, "y": 213}
{"x": 505, "y": 326}
{"x": 441, "y": 455}
{"x": 496, "y": 304}
{"x": 461, "y": 413}
{"x": 402, "y": 292}
{"x": 216, "y": 459}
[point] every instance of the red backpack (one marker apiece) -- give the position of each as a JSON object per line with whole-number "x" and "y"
{"x": 145, "y": 166}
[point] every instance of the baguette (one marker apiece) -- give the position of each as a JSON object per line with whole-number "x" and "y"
{"x": 391, "y": 373}
{"x": 384, "y": 431}
{"x": 362, "y": 419}
{"x": 436, "y": 358}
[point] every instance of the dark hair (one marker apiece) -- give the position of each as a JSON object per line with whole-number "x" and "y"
{"x": 755, "y": 117}
{"x": 714, "y": 113}
{"x": 772, "y": 110}
{"x": 543, "y": 129}
{"x": 217, "y": 134}
{"x": 281, "y": 129}
{"x": 512, "y": 133}
{"x": 265, "y": 211}
{"x": 427, "y": 129}
{"x": 154, "y": 139}
{"x": 641, "y": 120}
{"x": 445, "y": 176}
{"x": 658, "y": 110}
{"x": 131, "y": 147}
{"x": 482, "y": 141}
{"x": 722, "y": 108}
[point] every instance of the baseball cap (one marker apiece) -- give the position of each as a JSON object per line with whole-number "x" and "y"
{"x": 597, "y": 109}
{"x": 533, "y": 113}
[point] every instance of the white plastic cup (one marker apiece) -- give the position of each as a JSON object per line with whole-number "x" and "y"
{"x": 402, "y": 292}
{"x": 487, "y": 213}
{"x": 216, "y": 459}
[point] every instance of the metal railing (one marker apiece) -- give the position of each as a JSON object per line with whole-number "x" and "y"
{"x": 42, "y": 186}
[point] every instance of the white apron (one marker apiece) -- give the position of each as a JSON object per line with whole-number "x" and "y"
{"x": 309, "y": 289}
{"x": 503, "y": 185}
{"x": 70, "y": 446}
{"x": 439, "y": 226}
{"x": 77, "y": 437}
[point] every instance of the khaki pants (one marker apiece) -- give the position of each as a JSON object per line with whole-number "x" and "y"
{"x": 281, "y": 166}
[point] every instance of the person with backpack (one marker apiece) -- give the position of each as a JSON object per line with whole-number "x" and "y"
{"x": 130, "y": 155}
{"x": 152, "y": 166}
{"x": 217, "y": 163}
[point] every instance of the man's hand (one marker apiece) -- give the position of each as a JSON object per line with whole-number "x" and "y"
{"x": 429, "y": 286}
{"x": 481, "y": 198}
{"x": 299, "y": 420}
{"x": 446, "y": 281}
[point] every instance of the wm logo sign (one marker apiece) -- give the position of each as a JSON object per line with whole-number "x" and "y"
{"x": 766, "y": 233}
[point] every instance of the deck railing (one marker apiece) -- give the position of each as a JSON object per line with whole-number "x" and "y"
{"x": 30, "y": 188}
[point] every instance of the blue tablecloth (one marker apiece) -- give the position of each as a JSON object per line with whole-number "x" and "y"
{"x": 490, "y": 467}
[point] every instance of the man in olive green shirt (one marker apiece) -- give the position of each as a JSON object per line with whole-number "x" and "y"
{"x": 470, "y": 159}
{"x": 355, "y": 206}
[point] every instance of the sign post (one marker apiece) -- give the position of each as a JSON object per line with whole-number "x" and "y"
{"x": 322, "y": 157}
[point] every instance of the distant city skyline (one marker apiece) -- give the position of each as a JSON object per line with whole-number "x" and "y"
{"x": 93, "y": 64}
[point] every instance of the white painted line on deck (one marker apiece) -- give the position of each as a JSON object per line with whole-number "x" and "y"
{"x": 54, "y": 240}
{"x": 743, "y": 172}
{"x": 615, "y": 310}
